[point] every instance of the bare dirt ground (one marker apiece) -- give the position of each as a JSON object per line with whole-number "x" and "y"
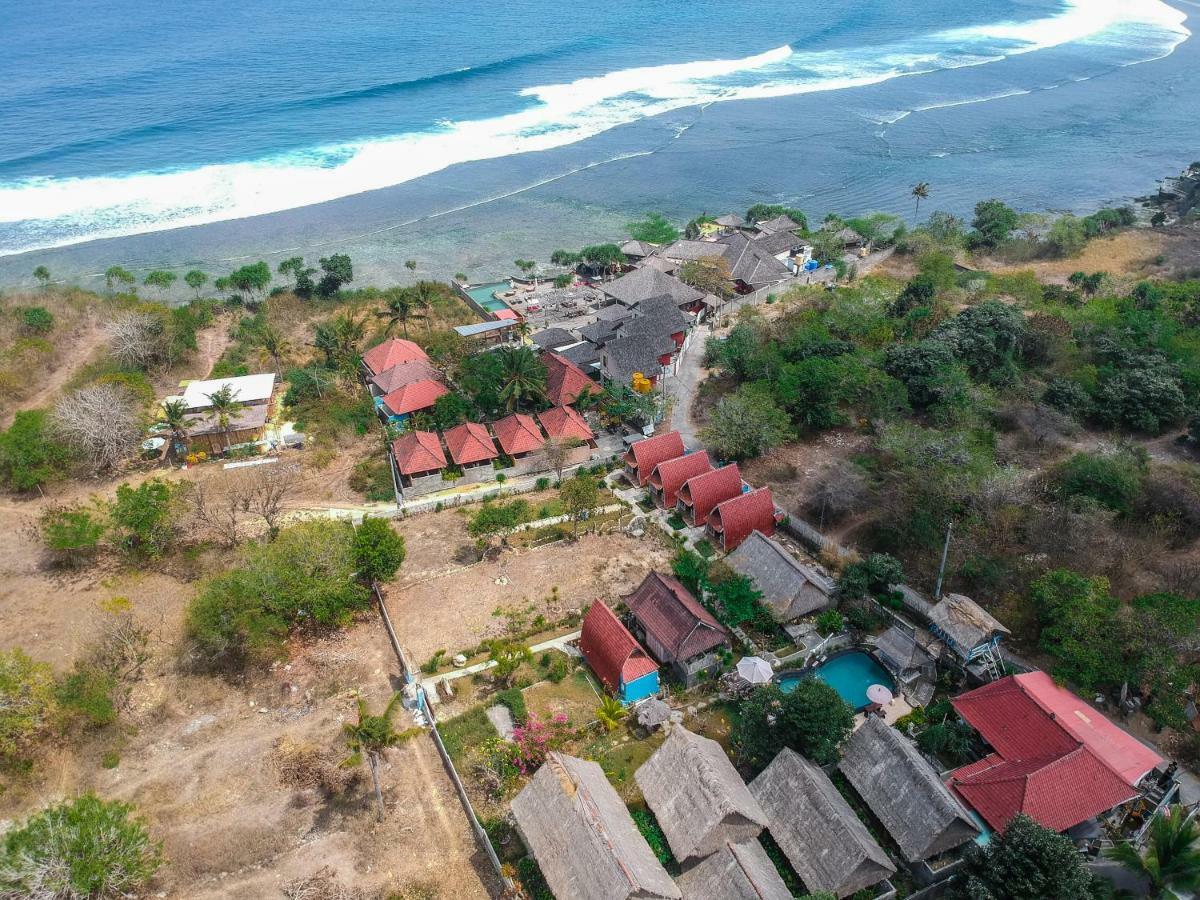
{"x": 440, "y": 604}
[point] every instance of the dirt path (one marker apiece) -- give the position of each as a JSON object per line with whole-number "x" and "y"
{"x": 84, "y": 346}
{"x": 211, "y": 343}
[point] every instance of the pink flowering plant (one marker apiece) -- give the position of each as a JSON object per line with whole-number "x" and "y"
{"x": 533, "y": 740}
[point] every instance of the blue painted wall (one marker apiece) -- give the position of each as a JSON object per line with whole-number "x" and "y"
{"x": 646, "y": 686}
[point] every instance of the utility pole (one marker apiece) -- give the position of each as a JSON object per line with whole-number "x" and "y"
{"x": 937, "y": 591}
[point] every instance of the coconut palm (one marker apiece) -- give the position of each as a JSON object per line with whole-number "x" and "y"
{"x": 401, "y": 303}
{"x": 368, "y": 738}
{"x": 610, "y": 713}
{"x": 175, "y": 415}
{"x": 275, "y": 345}
{"x": 522, "y": 377}
{"x": 225, "y": 404}
{"x": 1171, "y": 860}
{"x": 921, "y": 192}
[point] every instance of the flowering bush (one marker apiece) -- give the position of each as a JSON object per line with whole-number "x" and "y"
{"x": 533, "y": 740}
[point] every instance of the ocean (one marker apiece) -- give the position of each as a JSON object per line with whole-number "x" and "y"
{"x": 465, "y": 134}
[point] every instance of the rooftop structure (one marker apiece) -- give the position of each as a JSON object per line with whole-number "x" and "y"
{"x": 965, "y": 626}
{"x": 418, "y": 453}
{"x": 735, "y": 872}
{"x": 392, "y": 352}
{"x": 698, "y": 797}
{"x": 414, "y": 397}
{"x": 676, "y": 626}
{"x": 470, "y": 444}
{"x": 565, "y": 381}
{"x": 565, "y": 423}
{"x": 790, "y": 588}
{"x": 700, "y": 494}
{"x": 246, "y": 389}
{"x": 644, "y": 455}
{"x": 733, "y": 520}
{"x": 404, "y": 374}
{"x": 670, "y": 475}
{"x": 646, "y": 282}
{"x": 615, "y": 655}
{"x": 518, "y": 435}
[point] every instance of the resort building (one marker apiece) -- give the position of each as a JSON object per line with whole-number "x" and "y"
{"x": 698, "y": 797}
{"x": 700, "y": 494}
{"x": 735, "y": 872}
{"x": 751, "y": 265}
{"x": 489, "y": 334}
{"x": 401, "y": 375}
{"x": 826, "y": 843}
{"x": 418, "y": 461}
{"x": 470, "y": 446}
{"x": 905, "y": 653}
{"x": 775, "y": 225}
{"x": 245, "y": 424}
{"x": 675, "y": 628}
{"x": 732, "y": 521}
{"x": 553, "y": 340}
{"x": 392, "y": 352}
{"x": 647, "y": 282}
{"x": 644, "y": 455}
{"x": 790, "y": 588}
{"x": 518, "y": 435}
{"x": 577, "y": 829}
{"x": 616, "y": 657}
{"x": 669, "y": 476}
{"x": 565, "y": 381}
{"x": 565, "y": 423}
{"x": 396, "y": 407}
{"x": 248, "y": 390}
{"x": 904, "y": 792}
{"x": 967, "y": 629}
{"x": 1054, "y": 758}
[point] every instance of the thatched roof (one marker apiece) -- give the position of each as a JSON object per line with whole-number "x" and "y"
{"x": 900, "y": 650}
{"x": 904, "y": 792}
{"x": 735, "y": 872}
{"x": 698, "y": 797}
{"x": 963, "y": 623}
{"x": 583, "y": 837}
{"x": 790, "y": 589}
{"x": 653, "y": 713}
{"x": 826, "y": 843}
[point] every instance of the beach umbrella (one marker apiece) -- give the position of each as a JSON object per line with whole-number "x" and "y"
{"x": 754, "y": 669}
{"x": 879, "y": 694}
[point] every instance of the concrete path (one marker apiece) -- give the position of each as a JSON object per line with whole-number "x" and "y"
{"x": 558, "y": 643}
{"x": 682, "y": 387}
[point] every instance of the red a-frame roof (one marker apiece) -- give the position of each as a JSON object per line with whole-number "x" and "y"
{"x": 613, "y": 653}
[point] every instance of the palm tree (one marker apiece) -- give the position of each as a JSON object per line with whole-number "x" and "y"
{"x": 400, "y": 305}
{"x": 369, "y": 737}
{"x": 523, "y": 377}
{"x": 921, "y": 192}
{"x": 1171, "y": 860}
{"x": 275, "y": 344}
{"x": 224, "y": 404}
{"x": 610, "y": 713}
{"x": 175, "y": 415}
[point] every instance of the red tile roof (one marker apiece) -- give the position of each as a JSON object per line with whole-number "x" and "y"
{"x": 670, "y": 476}
{"x": 734, "y": 519}
{"x": 518, "y": 433}
{"x": 563, "y": 422}
{"x": 418, "y": 451}
{"x": 649, "y": 452}
{"x": 405, "y": 373}
{"x": 392, "y": 352}
{"x": 505, "y": 315}
{"x": 413, "y": 397}
{"x": 674, "y": 618}
{"x": 565, "y": 381}
{"x": 469, "y": 443}
{"x": 703, "y": 492}
{"x": 612, "y": 652}
{"x": 1056, "y": 758}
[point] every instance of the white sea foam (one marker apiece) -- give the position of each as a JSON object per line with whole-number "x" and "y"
{"x": 46, "y": 212}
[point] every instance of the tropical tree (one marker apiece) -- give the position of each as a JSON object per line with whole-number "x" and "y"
{"x": 224, "y": 405}
{"x": 580, "y": 495}
{"x": 175, "y": 415}
{"x": 611, "y": 711}
{"x": 653, "y": 229}
{"x": 252, "y": 279}
{"x": 196, "y": 280}
{"x": 274, "y": 344}
{"x": 506, "y": 657}
{"x": 162, "y": 279}
{"x": 302, "y": 283}
{"x": 42, "y": 274}
{"x": 368, "y": 738}
{"x": 1171, "y": 860}
{"x": 337, "y": 271}
{"x": 528, "y": 267}
{"x": 339, "y": 339}
{"x": 921, "y": 192}
{"x": 401, "y": 303}
{"x": 522, "y": 377}
{"x": 378, "y": 550}
{"x": 114, "y": 275}
{"x": 411, "y": 265}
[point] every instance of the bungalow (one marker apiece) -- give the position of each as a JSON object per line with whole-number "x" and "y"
{"x": 904, "y": 792}
{"x": 401, "y": 403}
{"x": 776, "y": 225}
{"x": 616, "y": 657}
{"x": 635, "y": 250}
{"x": 400, "y": 375}
{"x": 646, "y": 282}
{"x": 1054, "y": 758}
{"x": 729, "y": 221}
{"x": 248, "y": 390}
{"x": 578, "y": 830}
{"x": 470, "y": 445}
{"x": 418, "y": 459}
{"x": 700, "y": 494}
{"x": 732, "y": 521}
{"x": 554, "y": 339}
{"x": 639, "y": 353}
{"x": 565, "y": 423}
{"x": 968, "y": 630}
{"x": 644, "y": 455}
{"x": 790, "y": 588}
{"x": 244, "y": 425}
{"x": 735, "y": 872}
{"x": 518, "y": 435}
{"x": 675, "y": 628}
{"x": 565, "y": 381}
{"x": 826, "y": 843}
{"x": 669, "y": 476}
{"x": 698, "y": 797}
{"x": 905, "y": 655}
{"x": 500, "y": 331}
{"x": 392, "y": 352}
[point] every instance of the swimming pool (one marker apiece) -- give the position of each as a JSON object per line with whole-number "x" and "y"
{"x": 482, "y": 295}
{"x": 850, "y": 674}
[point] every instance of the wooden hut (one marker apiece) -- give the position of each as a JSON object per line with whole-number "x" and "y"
{"x": 698, "y": 797}
{"x": 735, "y": 872}
{"x": 790, "y": 588}
{"x": 826, "y": 843}
{"x": 583, "y": 838}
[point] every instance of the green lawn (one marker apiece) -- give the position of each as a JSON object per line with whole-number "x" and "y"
{"x": 575, "y": 696}
{"x": 704, "y": 548}
{"x": 464, "y": 732}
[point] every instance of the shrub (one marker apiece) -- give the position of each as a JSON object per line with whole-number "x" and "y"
{"x": 27, "y": 705}
{"x": 37, "y": 320}
{"x": 87, "y": 847}
{"x": 515, "y": 701}
{"x": 373, "y": 479}
{"x": 29, "y": 454}
{"x": 71, "y": 534}
{"x": 86, "y": 695}
{"x": 378, "y": 550}
{"x": 1114, "y": 481}
{"x": 542, "y": 484}
{"x": 559, "y": 668}
{"x": 813, "y": 720}
{"x": 532, "y": 880}
{"x": 431, "y": 665}
{"x": 647, "y": 825}
{"x": 830, "y": 622}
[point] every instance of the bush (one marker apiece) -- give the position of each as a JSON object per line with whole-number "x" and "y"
{"x": 830, "y": 622}
{"x": 649, "y": 828}
{"x": 71, "y": 534}
{"x": 27, "y": 705}
{"x": 145, "y": 517}
{"x": 87, "y": 847}
{"x": 431, "y": 665}
{"x": 378, "y": 550}
{"x": 515, "y": 701}
{"x": 373, "y": 479}
{"x": 37, "y": 320}
{"x": 1113, "y": 481}
{"x": 532, "y": 880}
{"x": 29, "y": 454}
{"x": 86, "y": 695}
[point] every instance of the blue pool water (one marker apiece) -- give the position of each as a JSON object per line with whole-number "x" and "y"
{"x": 850, "y": 674}
{"x": 483, "y": 295}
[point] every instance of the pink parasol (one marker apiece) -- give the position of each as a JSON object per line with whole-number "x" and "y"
{"x": 879, "y": 694}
